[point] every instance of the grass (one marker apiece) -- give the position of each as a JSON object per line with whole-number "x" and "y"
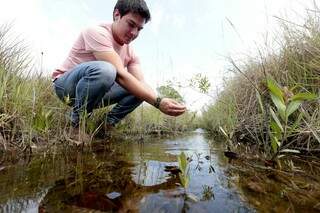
{"x": 26, "y": 100}
{"x": 31, "y": 115}
{"x": 242, "y": 108}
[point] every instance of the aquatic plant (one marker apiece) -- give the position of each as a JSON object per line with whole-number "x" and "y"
{"x": 184, "y": 168}
{"x": 207, "y": 193}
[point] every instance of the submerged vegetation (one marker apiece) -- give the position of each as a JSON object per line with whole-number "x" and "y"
{"x": 272, "y": 100}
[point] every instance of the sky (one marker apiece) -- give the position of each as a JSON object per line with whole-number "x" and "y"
{"x": 184, "y": 37}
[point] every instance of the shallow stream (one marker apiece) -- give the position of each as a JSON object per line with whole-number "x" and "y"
{"x": 123, "y": 176}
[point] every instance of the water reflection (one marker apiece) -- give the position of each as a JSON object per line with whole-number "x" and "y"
{"x": 23, "y": 204}
{"x": 123, "y": 177}
{"x": 108, "y": 188}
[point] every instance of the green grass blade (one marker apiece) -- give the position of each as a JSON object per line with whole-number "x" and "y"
{"x": 276, "y": 130}
{"x": 259, "y": 101}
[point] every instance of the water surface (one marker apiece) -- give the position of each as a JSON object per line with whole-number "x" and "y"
{"x": 123, "y": 176}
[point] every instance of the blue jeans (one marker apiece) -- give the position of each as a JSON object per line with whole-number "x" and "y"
{"x": 92, "y": 85}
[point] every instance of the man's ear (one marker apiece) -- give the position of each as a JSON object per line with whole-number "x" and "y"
{"x": 116, "y": 15}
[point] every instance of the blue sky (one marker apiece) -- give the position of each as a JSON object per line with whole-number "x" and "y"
{"x": 184, "y": 37}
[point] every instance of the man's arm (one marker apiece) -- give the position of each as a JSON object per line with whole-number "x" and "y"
{"x": 137, "y": 88}
{"x": 136, "y": 72}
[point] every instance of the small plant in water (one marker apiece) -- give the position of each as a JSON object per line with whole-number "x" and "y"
{"x": 184, "y": 176}
{"x": 184, "y": 167}
{"x": 207, "y": 193}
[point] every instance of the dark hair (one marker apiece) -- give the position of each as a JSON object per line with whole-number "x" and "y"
{"x": 134, "y": 6}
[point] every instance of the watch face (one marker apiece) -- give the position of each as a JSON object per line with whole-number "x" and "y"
{"x": 157, "y": 102}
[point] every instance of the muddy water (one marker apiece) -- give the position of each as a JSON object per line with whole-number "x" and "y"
{"x": 124, "y": 176}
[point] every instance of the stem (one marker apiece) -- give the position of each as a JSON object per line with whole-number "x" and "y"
{"x": 284, "y": 136}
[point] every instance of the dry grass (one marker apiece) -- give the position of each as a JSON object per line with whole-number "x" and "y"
{"x": 295, "y": 64}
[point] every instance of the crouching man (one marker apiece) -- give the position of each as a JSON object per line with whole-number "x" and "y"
{"x": 103, "y": 69}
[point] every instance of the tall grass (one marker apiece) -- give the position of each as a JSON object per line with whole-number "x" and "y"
{"x": 295, "y": 65}
{"x": 29, "y": 111}
{"x": 31, "y": 114}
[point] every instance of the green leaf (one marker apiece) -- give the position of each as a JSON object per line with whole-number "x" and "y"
{"x": 304, "y": 96}
{"x": 184, "y": 178}
{"x": 259, "y": 101}
{"x": 275, "y": 89}
{"x": 292, "y": 107}
{"x": 170, "y": 92}
{"x": 181, "y": 177}
{"x": 187, "y": 180}
{"x": 182, "y": 162}
{"x": 280, "y": 106}
{"x": 275, "y": 129}
{"x": 276, "y": 119}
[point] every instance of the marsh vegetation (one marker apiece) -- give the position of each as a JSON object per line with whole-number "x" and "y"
{"x": 265, "y": 121}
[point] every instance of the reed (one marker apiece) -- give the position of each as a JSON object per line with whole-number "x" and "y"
{"x": 243, "y": 107}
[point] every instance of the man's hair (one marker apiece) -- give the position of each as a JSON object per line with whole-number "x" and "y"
{"x": 134, "y": 6}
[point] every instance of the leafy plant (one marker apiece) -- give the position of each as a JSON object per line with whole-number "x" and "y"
{"x": 207, "y": 193}
{"x": 184, "y": 167}
{"x": 286, "y": 103}
{"x": 170, "y": 92}
{"x": 200, "y": 82}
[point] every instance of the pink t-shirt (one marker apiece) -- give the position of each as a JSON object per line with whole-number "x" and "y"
{"x": 96, "y": 39}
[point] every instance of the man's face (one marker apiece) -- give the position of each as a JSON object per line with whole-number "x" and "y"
{"x": 126, "y": 28}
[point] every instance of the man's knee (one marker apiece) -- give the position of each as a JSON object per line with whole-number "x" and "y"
{"x": 107, "y": 70}
{"x": 105, "y": 73}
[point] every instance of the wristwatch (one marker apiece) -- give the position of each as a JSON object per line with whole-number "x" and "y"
{"x": 157, "y": 102}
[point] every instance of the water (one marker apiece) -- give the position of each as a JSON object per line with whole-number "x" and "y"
{"x": 123, "y": 176}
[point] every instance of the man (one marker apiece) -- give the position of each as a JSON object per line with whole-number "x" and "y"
{"x": 102, "y": 69}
